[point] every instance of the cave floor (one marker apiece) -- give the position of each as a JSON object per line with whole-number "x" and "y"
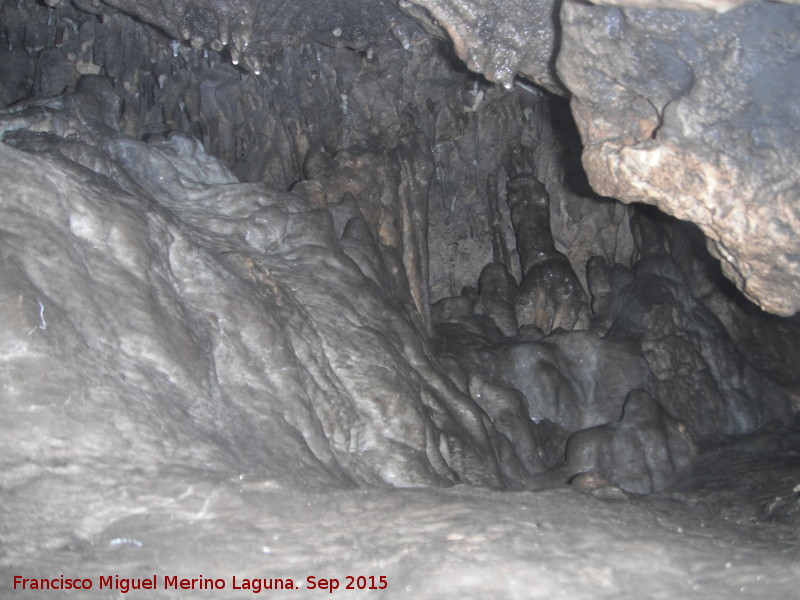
{"x": 459, "y": 542}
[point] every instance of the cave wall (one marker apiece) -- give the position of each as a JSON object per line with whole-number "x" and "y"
{"x": 433, "y": 136}
{"x": 689, "y": 110}
{"x": 248, "y": 257}
{"x": 695, "y": 113}
{"x": 332, "y": 255}
{"x": 673, "y": 106}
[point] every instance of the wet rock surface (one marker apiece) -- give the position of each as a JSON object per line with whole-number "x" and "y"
{"x": 252, "y": 289}
{"x": 495, "y": 39}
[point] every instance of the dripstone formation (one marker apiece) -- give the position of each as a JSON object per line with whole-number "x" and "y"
{"x": 260, "y": 258}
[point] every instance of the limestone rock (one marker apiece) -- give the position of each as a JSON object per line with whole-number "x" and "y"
{"x": 509, "y": 412}
{"x": 497, "y": 293}
{"x": 253, "y": 29}
{"x": 574, "y": 379}
{"x": 191, "y": 353}
{"x": 689, "y": 110}
{"x": 695, "y": 113}
{"x": 715, "y": 5}
{"x": 496, "y": 38}
{"x": 221, "y": 307}
{"x": 641, "y": 453}
{"x": 705, "y": 384}
{"x": 550, "y": 297}
{"x": 550, "y": 294}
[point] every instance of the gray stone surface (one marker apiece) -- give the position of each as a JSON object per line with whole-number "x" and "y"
{"x": 219, "y": 307}
{"x": 431, "y": 544}
{"x": 642, "y": 453}
{"x": 673, "y": 106}
{"x": 495, "y": 39}
{"x": 715, "y": 5}
{"x": 233, "y": 294}
{"x": 574, "y": 379}
{"x": 695, "y": 113}
{"x": 550, "y": 295}
{"x": 708, "y": 385}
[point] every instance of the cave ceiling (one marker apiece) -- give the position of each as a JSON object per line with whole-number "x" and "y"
{"x": 689, "y": 105}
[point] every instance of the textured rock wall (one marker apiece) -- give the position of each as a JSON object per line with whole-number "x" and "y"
{"x": 501, "y": 39}
{"x": 689, "y": 110}
{"x": 192, "y": 305}
{"x": 217, "y": 260}
{"x": 426, "y": 203}
{"x": 438, "y": 142}
{"x": 695, "y": 113}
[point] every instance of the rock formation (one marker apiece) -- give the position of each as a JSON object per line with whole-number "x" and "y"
{"x": 691, "y": 112}
{"x": 266, "y": 264}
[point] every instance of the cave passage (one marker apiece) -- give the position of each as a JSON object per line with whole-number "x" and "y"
{"x": 302, "y": 291}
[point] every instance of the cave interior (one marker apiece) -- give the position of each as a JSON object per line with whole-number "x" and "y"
{"x": 487, "y": 299}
